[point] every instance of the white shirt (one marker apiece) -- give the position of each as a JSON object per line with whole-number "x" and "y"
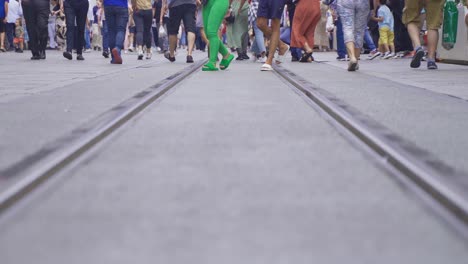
{"x": 14, "y": 11}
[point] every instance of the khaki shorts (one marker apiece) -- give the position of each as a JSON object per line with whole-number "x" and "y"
{"x": 386, "y": 36}
{"x": 412, "y": 12}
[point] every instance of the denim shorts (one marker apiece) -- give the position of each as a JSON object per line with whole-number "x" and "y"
{"x": 271, "y": 9}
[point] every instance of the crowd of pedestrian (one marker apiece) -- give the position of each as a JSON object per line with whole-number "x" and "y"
{"x": 264, "y": 29}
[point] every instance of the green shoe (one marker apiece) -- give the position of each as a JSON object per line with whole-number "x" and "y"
{"x": 224, "y": 64}
{"x": 209, "y": 67}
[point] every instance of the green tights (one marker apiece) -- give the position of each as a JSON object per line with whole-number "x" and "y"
{"x": 213, "y": 15}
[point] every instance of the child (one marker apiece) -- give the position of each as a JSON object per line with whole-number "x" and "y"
{"x": 19, "y": 36}
{"x": 387, "y": 37}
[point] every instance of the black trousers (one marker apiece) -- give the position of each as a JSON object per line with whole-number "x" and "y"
{"x": 76, "y": 13}
{"x": 143, "y": 20}
{"x": 36, "y": 14}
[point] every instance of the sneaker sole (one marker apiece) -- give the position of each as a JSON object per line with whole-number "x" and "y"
{"x": 416, "y": 61}
{"x": 117, "y": 58}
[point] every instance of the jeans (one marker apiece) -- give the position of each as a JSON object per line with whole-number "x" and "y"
{"x": 10, "y": 33}
{"x": 340, "y": 45}
{"x": 295, "y": 52}
{"x": 87, "y": 39}
{"x": 105, "y": 36}
{"x": 51, "y": 30}
{"x": 117, "y": 19}
{"x": 368, "y": 40}
{"x": 258, "y": 46}
{"x": 76, "y": 12}
{"x": 143, "y": 20}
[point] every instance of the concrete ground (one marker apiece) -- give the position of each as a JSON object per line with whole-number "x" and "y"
{"x": 231, "y": 167}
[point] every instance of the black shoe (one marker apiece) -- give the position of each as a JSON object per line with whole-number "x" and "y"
{"x": 294, "y": 59}
{"x": 35, "y": 57}
{"x": 245, "y": 56}
{"x": 80, "y": 57}
{"x": 239, "y": 58}
{"x": 67, "y": 55}
{"x": 189, "y": 59}
{"x": 167, "y": 55}
{"x": 431, "y": 65}
{"x": 42, "y": 55}
{"x": 416, "y": 61}
{"x": 105, "y": 54}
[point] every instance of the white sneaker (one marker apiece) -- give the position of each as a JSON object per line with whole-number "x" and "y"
{"x": 261, "y": 60}
{"x": 149, "y": 55}
{"x": 388, "y": 55}
{"x": 374, "y": 55}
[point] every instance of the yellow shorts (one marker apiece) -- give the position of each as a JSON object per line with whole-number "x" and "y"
{"x": 412, "y": 12}
{"x": 386, "y": 36}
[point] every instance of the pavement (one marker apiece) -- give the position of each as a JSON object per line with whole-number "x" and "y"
{"x": 224, "y": 170}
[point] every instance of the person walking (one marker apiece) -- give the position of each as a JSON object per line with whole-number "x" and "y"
{"x": 36, "y": 14}
{"x": 51, "y": 25}
{"x": 258, "y": 45}
{"x": 180, "y": 10}
{"x": 14, "y": 12}
{"x": 306, "y": 17}
{"x": 272, "y": 9}
{"x": 116, "y": 13}
{"x": 76, "y": 12}
{"x": 354, "y": 15}
{"x": 213, "y": 16}
{"x": 143, "y": 16}
{"x": 238, "y": 30}
{"x": 411, "y": 17}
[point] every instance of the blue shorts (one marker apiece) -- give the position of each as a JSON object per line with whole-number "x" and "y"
{"x": 271, "y": 9}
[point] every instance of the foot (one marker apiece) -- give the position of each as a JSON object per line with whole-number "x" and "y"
{"x": 35, "y": 57}
{"x": 226, "y": 61}
{"x": 210, "y": 67}
{"x": 266, "y": 67}
{"x": 42, "y": 55}
{"x": 306, "y": 57}
{"x": 189, "y": 59}
{"x": 140, "y": 53}
{"x": 245, "y": 56}
{"x": 374, "y": 54}
{"x": 67, "y": 55}
{"x": 418, "y": 55}
{"x": 80, "y": 57}
{"x": 149, "y": 55}
{"x": 116, "y": 58}
{"x": 431, "y": 65}
{"x": 167, "y": 55}
{"x": 105, "y": 54}
{"x": 353, "y": 65}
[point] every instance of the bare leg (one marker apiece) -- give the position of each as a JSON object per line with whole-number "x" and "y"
{"x": 413, "y": 31}
{"x": 351, "y": 51}
{"x": 172, "y": 44}
{"x": 191, "y": 42}
{"x": 432, "y": 39}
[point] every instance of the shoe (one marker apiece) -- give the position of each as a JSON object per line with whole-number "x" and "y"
{"x": 2, "y": 49}
{"x": 373, "y": 55}
{"x": 431, "y": 65}
{"x": 418, "y": 55}
{"x": 67, "y": 55}
{"x": 35, "y": 57}
{"x": 239, "y": 58}
{"x": 353, "y": 65}
{"x": 130, "y": 49}
{"x": 306, "y": 56}
{"x": 388, "y": 55}
{"x": 245, "y": 56}
{"x": 189, "y": 59}
{"x": 42, "y": 55}
{"x": 149, "y": 55}
{"x": 140, "y": 54}
{"x": 167, "y": 55}
{"x": 224, "y": 64}
{"x": 20, "y": 51}
{"x": 116, "y": 58}
{"x": 87, "y": 51}
{"x": 280, "y": 58}
{"x": 266, "y": 67}
{"x": 209, "y": 67}
{"x": 105, "y": 54}
{"x": 262, "y": 60}
{"x": 80, "y": 57}
{"x": 293, "y": 59}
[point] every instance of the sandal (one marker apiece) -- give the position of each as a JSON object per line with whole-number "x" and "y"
{"x": 266, "y": 67}
{"x": 224, "y": 64}
{"x": 280, "y": 58}
{"x": 306, "y": 56}
{"x": 209, "y": 67}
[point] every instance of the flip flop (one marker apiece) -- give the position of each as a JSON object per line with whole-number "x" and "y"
{"x": 224, "y": 64}
{"x": 266, "y": 67}
{"x": 209, "y": 67}
{"x": 280, "y": 58}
